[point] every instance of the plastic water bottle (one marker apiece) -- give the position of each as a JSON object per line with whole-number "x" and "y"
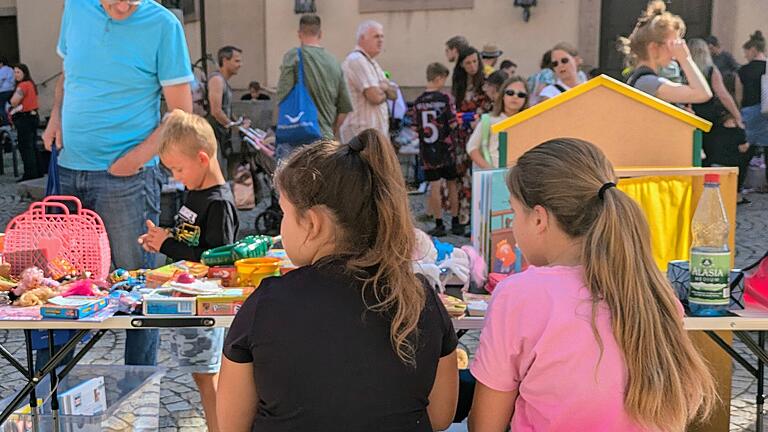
{"x": 710, "y": 255}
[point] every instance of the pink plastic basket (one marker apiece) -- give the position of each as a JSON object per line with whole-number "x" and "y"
{"x": 39, "y": 237}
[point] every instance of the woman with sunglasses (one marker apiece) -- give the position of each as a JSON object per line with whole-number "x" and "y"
{"x": 565, "y": 64}
{"x": 654, "y": 43}
{"x": 483, "y": 146}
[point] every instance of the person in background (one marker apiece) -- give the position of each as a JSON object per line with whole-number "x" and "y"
{"x": 368, "y": 86}
{"x": 188, "y": 150}
{"x": 351, "y": 340}
{"x": 490, "y": 55}
{"x": 510, "y": 101}
{"x": 748, "y": 91}
{"x": 508, "y": 66}
{"x": 254, "y": 92}
{"x": 453, "y": 46}
{"x": 26, "y": 120}
{"x": 323, "y": 78}
{"x": 561, "y": 347}
{"x": 230, "y": 59}
{"x": 467, "y": 86}
{"x": 435, "y": 120}
{"x": 727, "y": 146}
{"x": 105, "y": 119}
{"x": 594, "y": 73}
{"x": 541, "y": 79}
{"x": 492, "y": 84}
{"x": 566, "y": 67}
{"x": 7, "y": 87}
{"x": 710, "y": 110}
{"x": 722, "y": 58}
{"x": 653, "y": 44}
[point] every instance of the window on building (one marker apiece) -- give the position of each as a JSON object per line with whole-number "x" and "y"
{"x": 412, "y": 5}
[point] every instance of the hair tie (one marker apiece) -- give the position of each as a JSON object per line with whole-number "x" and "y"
{"x": 356, "y": 144}
{"x": 603, "y": 188}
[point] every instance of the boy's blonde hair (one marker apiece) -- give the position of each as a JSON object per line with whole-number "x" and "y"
{"x": 188, "y": 133}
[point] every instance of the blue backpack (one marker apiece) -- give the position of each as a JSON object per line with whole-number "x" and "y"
{"x": 297, "y": 120}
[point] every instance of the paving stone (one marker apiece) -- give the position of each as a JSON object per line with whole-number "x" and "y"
{"x": 178, "y": 406}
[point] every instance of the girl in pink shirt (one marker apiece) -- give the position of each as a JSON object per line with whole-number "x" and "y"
{"x": 590, "y": 337}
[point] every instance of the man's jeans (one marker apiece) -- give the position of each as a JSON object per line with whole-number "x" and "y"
{"x": 124, "y": 204}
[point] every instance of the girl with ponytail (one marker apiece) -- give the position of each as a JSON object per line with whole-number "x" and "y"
{"x": 590, "y": 337}
{"x": 351, "y": 340}
{"x": 654, "y": 43}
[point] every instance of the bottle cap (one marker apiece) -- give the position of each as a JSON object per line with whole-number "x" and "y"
{"x": 711, "y": 178}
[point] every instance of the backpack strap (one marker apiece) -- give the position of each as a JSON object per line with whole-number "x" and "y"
{"x": 561, "y": 88}
{"x": 638, "y": 73}
{"x": 301, "y": 66}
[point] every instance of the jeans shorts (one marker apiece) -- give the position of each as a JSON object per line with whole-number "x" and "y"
{"x": 198, "y": 350}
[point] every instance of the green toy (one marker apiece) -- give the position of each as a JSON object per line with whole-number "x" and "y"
{"x": 249, "y": 247}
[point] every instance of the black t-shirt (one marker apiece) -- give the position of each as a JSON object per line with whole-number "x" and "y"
{"x": 323, "y": 362}
{"x": 750, "y": 74}
{"x": 207, "y": 219}
{"x": 721, "y": 146}
{"x": 434, "y": 119}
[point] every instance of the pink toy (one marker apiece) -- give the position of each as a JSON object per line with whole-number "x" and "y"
{"x": 83, "y": 287}
{"x": 185, "y": 278}
{"x": 32, "y": 278}
{"x": 756, "y": 285}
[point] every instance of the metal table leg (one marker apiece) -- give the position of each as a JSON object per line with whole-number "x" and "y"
{"x": 760, "y": 377}
{"x": 34, "y": 409}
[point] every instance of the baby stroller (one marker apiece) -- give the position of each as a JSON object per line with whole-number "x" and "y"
{"x": 259, "y": 155}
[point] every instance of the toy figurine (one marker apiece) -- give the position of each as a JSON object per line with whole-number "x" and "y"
{"x": 248, "y": 247}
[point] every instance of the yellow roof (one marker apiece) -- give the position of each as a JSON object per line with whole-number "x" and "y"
{"x": 617, "y": 86}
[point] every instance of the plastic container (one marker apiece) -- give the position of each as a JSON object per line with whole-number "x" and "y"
{"x": 133, "y": 401}
{"x": 710, "y": 254}
{"x": 251, "y": 271}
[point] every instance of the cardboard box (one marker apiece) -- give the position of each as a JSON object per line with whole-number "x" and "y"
{"x": 227, "y": 303}
{"x": 158, "y": 304}
{"x": 74, "y": 307}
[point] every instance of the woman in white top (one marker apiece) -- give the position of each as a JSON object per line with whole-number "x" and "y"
{"x": 509, "y": 102}
{"x": 565, "y": 63}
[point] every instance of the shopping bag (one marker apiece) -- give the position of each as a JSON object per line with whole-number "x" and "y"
{"x": 242, "y": 188}
{"x": 297, "y": 119}
{"x": 764, "y": 94}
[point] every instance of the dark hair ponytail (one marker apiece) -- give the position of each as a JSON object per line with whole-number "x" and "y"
{"x": 361, "y": 184}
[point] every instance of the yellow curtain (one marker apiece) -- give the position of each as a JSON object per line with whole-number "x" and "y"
{"x": 666, "y": 202}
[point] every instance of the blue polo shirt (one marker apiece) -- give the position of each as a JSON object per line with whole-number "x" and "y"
{"x": 114, "y": 74}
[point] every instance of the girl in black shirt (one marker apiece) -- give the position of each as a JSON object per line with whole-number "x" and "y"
{"x": 352, "y": 340}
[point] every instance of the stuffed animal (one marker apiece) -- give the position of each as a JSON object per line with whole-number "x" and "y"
{"x": 36, "y": 296}
{"x": 83, "y": 287}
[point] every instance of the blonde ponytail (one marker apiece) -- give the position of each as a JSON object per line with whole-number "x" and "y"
{"x": 668, "y": 382}
{"x": 654, "y": 25}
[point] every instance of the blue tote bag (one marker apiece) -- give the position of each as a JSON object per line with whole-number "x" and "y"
{"x": 297, "y": 120}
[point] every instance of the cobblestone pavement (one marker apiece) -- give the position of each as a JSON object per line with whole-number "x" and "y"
{"x": 180, "y": 408}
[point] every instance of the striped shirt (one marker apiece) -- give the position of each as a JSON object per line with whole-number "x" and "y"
{"x": 363, "y": 72}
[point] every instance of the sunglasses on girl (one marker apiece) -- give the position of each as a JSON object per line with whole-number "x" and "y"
{"x": 521, "y": 95}
{"x": 554, "y": 64}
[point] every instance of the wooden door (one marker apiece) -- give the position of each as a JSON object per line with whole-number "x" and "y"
{"x": 618, "y": 18}
{"x": 9, "y": 39}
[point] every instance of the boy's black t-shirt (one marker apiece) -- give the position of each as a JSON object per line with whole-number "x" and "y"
{"x": 721, "y": 145}
{"x": 208, "y": 219}
{"x": 323, "y": 362}
{"x": 434, "y": 119}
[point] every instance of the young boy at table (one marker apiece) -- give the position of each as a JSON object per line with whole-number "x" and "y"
{"x": 351, "y": 340}
{"x": 188, "y": 149}
{"x": 590, "y": 337}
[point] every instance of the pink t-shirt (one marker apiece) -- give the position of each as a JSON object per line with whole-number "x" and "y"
{"x": 538, "y": 340}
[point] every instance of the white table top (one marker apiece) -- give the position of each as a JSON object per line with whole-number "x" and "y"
{"x": 745, "y": 323}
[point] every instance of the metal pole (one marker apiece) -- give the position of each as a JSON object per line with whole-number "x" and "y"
{"x": 203, "y": 42}
{"x": 760, "y": 377}
{"x": 34, "y": 409}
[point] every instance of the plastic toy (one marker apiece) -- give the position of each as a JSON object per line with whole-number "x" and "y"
{"x": 31, "y": 279}
{"x": 126, "y": 302}
{"x": 123, "y": 280}
{"x": 83, "y": 287}
{"x": 187, "y": 234}
{"x": 248, "y": 247}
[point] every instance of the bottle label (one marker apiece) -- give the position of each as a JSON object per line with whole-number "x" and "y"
{"x": 710, "y": 273}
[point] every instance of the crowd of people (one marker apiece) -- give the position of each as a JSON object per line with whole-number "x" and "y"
{"x": 354, "y": 339}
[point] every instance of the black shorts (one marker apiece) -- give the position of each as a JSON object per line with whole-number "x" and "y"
{"x": 446, "y": 172}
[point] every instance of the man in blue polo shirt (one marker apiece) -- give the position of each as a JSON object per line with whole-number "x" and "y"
{"x": 119, "y": 56}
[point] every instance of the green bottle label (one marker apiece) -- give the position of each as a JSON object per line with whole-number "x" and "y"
{"x": 710, "y": 274}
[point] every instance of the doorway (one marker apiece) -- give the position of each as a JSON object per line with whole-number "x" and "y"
{"x": 9, "y": 38}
